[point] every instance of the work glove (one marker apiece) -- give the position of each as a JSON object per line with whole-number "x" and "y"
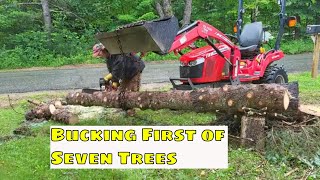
{"x": 142, "y": 54}
{"x": 108, "y": 77}
{"x": 115, "y": 85}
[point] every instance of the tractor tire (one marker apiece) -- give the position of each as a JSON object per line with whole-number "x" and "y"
{"x": 274, "y": 74}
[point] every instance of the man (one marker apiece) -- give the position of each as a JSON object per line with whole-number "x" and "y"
{"x": 124, "y": 70}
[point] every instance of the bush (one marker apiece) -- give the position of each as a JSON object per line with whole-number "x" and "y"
{"x": 156, "y": 57}
{"x": 297, "y": 46}
{"x": 64, "y": 48}
{"x": 68, "y": 48}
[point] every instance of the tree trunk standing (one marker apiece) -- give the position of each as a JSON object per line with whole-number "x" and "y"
{"x": 297, "y": 30}
{"x": 318, "y": 20}
{"x": 159, "y": 9}
{"x": 229, "y": 99}
{"x": 47, "y": 17}
{"x": 187, "y": 13}
{"x": 167, "y": 9}
{"x": 254, "y": 14}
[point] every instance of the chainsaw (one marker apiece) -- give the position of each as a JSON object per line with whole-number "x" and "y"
{"x": 104, "y": 86}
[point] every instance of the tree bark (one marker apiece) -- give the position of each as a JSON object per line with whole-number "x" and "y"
{"x": 64, "y": 116}
{"x": 293, "y": 112}
{"x": 228, "y": 99}
{"x": 253, "y": 132}
{"x": 40, "y": 112}
{"x": 167, "y": 9}
{"x": 159, "y": 8}
{"x": 254, "y": 14}
{"x": 46, "y": 16}
{"x": 187, "y": 13}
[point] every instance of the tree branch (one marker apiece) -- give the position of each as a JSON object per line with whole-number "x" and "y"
{"x": 28, "y": 3}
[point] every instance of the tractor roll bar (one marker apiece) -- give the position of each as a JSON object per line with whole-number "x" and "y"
{"x": 240, "y": 18}
{"x": 282, "y": 18}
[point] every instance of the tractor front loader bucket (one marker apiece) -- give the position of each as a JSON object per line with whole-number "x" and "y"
{"x": 147, "y": 36}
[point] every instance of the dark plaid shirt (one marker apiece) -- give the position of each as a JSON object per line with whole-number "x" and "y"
{"x": 124, "y": 67}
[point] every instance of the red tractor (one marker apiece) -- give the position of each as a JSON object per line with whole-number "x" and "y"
{"x": 220, "y": 61}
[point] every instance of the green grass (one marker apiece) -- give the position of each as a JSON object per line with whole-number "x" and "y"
{"x": 10, "y": 120}
{"x": 309, "y": 88}
{"x": 28, "y": 158}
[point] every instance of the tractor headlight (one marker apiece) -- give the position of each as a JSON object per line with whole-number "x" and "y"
{"x": 196, "y": 62}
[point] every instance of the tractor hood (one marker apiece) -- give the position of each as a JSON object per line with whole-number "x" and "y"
{"x": 203, "y": 52}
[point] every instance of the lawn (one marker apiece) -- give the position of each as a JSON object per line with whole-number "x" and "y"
{"x": 309, "y": 88}
{"x": 28, "y": 157}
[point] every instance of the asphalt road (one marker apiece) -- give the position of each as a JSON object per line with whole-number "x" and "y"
{"x": 88, "y": 77}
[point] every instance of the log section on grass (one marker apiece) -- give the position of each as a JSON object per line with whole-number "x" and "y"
{"x": 51, "y": 112}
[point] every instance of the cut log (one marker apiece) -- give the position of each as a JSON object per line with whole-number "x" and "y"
{"x": 253, "y": 132}
{"x": 229, "y": 99}
{"x": 58, "y": 104}
{"x": 293, "y": 112}
{"x": 52, "y": 108}
{"x": 310, "y": 109}
{"x": 50, "y": 112}
{"x": 293, "y": 89}
{"x": 40, "y": 112}
{"x": 64, "y": 116}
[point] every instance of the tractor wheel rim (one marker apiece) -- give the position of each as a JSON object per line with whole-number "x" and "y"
{"x": 279, "y": 79}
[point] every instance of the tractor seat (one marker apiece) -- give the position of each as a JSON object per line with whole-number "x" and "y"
{"x": 250, "y": 39}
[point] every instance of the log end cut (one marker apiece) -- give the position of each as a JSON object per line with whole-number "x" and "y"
{"x": 286, "y": 100}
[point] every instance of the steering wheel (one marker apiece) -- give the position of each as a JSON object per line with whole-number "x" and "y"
{"x": 233, "y": 38}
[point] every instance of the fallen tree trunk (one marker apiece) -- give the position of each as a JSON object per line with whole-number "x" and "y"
{"x": 229, "y": 99}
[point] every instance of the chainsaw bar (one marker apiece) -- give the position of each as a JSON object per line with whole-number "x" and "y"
{"x": 90, "y": 91}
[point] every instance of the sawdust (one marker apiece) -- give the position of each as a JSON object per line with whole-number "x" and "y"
{"x": 95, "y": 112}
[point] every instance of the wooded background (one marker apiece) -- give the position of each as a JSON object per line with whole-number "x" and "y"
{"x": 58, "y": 32}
